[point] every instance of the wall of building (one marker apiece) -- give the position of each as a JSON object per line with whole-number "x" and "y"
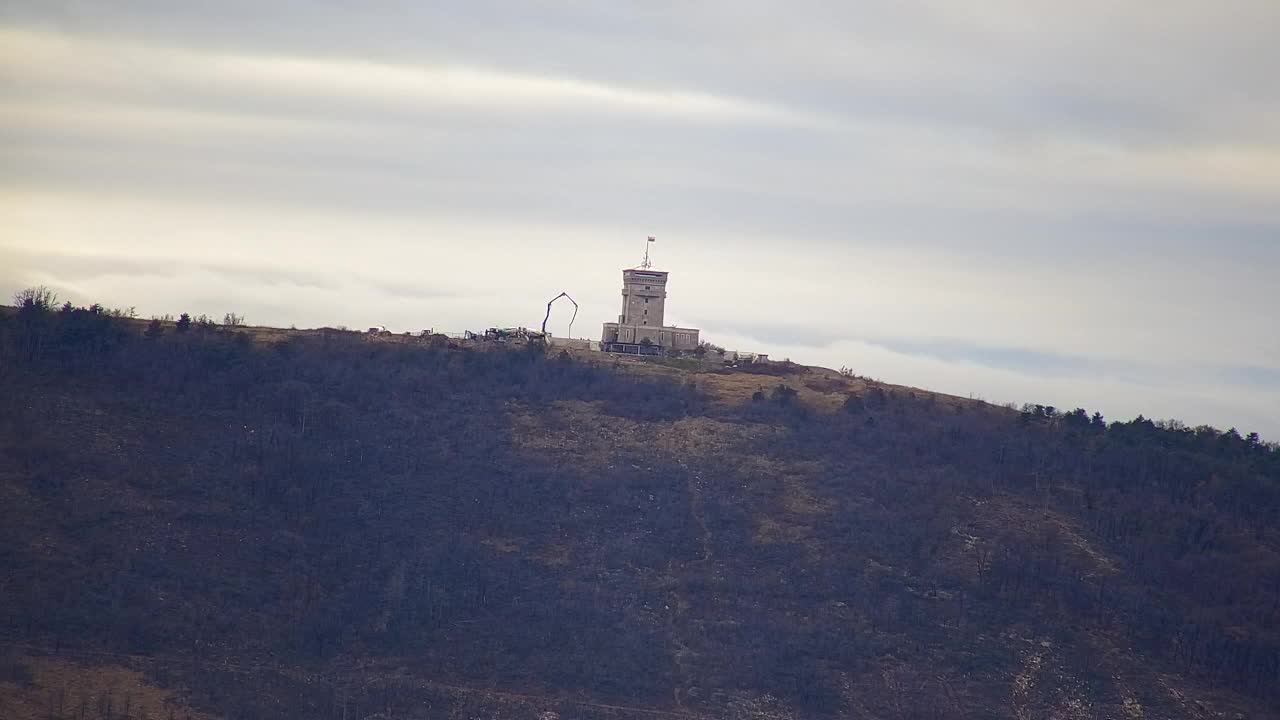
{"x": 574, "y": 343}
{"x": 681, "y": 338}
{"x": 644, "y": 296}
{"x": 616, "y": 332}
{"x": 667, "y": 337}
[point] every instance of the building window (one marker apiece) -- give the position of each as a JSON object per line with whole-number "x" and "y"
{"x": 646, "y": 301}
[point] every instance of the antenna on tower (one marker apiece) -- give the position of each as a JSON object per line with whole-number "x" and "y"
{"x": 646, "y": 264}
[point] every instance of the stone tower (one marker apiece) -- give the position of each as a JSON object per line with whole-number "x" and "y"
{"x": 641, "y": 327}
{"x": 644, "y": 293}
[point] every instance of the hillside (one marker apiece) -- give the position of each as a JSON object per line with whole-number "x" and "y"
{"x": 230, "y": 523}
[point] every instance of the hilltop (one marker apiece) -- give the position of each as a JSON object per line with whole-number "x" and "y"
{"x": 265, "y": 523}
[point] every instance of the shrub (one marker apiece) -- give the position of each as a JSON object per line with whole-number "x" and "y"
{"x": 40, "y": 298}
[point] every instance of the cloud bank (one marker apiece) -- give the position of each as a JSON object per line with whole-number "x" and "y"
{"x": 1027, "y": 201}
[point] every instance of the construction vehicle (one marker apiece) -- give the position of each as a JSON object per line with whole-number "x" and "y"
{"x": 564, "y": 295}
{"x": 514, "y": 334}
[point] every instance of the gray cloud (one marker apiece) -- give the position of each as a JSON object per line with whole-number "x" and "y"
{"x": 82, "y": 268}
{"x": 1026, "y": 197}
{"x": 1123, "y": 71}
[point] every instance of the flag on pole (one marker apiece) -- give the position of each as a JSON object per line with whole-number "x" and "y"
{"x": 652, "y": 238}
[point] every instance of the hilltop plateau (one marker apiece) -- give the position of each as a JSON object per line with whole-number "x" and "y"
{"x": 224, "y": 522}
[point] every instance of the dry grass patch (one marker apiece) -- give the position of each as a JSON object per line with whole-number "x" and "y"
{"x": 62, "y": 688}
{"x": 1033, "y": 526}
{"x": 574, "y": 431}
{"x": 503, "y": 545}
{"x": 769, "y": 531}
{"x": 555, "y": 555}
{"x": 583, "y": 434}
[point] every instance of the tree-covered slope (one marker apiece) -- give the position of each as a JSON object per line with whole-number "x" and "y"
{"x": 324, "y": 524}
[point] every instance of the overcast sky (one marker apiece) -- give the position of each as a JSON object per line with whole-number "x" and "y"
{"x": 1070, "y": 203}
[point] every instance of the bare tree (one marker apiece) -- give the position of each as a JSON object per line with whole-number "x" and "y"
{"x": 38, "y": 297}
